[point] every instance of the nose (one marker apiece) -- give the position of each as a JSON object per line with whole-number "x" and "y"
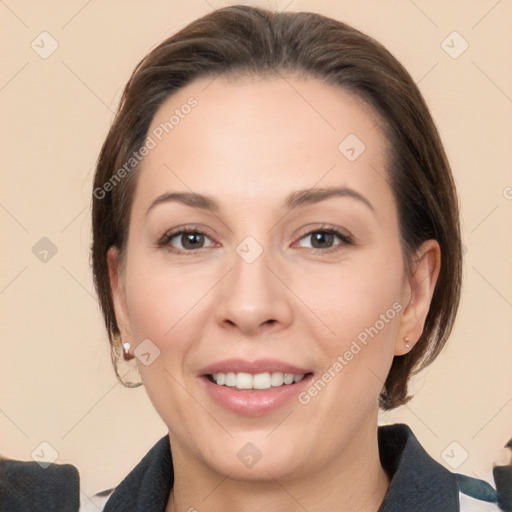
{"x": 253, "y": 297}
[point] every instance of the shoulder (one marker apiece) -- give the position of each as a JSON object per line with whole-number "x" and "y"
{"x": 422, "y": 483}
{"x": 53, "y": 487}
{"x": 148, "y": 484}
{"x": 146, "y": 487}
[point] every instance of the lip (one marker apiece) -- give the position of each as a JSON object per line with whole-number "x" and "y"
{"x": 252, "y": 367}
{"x": 253, "y": 402}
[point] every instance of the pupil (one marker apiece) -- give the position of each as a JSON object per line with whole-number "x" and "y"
{"x": 322, "y": 239}
{"x": 191, "y": 240}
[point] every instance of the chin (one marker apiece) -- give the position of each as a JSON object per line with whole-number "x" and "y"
{"x": 252, "y": 458}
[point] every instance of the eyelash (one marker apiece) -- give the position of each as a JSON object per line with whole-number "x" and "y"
{"x": 165, "y": 240}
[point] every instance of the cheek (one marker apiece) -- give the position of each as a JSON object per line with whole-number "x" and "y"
{"x": 172, "y": 307}
{"x": 160, "y": 298}
{"x": 351, "y": 298}
{"x": 361, "y": 306}
{"x": 167, "y": 306}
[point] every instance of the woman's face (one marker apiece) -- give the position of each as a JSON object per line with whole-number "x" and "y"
{"x": 292, "y": 270}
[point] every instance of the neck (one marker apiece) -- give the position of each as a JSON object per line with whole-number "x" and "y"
{"x": 352, "y": 481}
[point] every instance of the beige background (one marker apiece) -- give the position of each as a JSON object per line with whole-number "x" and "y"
{"x": 56, "y": 381}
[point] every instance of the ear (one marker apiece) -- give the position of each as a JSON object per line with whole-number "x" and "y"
{"x": 117, "y": 285}
{"x": 418, "y": 290}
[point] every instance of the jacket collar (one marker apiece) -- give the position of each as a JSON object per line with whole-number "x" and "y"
{"x": 148, "y": 485}
{"x": 418, "y": 482}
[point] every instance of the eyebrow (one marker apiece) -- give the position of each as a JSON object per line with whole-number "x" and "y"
{"x": 295, "y": 199}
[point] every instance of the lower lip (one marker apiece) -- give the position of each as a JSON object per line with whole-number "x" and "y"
{"x": 254, "y": 402}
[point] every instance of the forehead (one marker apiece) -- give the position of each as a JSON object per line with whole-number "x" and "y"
{"x": 259, "y": 137}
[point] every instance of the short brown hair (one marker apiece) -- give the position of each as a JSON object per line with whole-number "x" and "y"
{"x": 248, "y": 41}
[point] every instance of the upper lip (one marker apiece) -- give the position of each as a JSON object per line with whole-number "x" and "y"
{"x": 253, "y": 367}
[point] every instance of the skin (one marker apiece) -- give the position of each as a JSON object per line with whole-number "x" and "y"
{"x": 248, "y": 144}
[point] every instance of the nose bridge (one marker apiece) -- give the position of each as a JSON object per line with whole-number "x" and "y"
{"x": 250, "y": 275}
{"x": 251, "y": 294}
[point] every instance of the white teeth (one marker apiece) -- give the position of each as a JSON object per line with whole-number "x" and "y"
{"x": 264, "y": 380}
{"x": 243, "y": 381}
{"x": 288, "y": 378}
{"x": 261, "y": 381}
{"x": 277, "y": 379}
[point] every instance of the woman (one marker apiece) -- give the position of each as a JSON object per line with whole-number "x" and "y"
{"x": 276, "y": 247}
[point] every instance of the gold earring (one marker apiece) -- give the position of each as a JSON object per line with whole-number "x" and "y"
{"x": 126, "y": 351}
{"x": 407, "y": 340}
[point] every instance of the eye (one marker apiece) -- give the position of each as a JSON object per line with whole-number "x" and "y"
{"x": 325, "y": 239}
{"x": 185, "y": 240}
{"x": 189, "y": 240}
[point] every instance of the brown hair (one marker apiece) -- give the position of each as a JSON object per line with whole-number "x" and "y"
{"x": 247, "y": 41}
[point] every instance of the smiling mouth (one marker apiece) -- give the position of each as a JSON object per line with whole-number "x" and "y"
{"x": 259, "y": 381}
